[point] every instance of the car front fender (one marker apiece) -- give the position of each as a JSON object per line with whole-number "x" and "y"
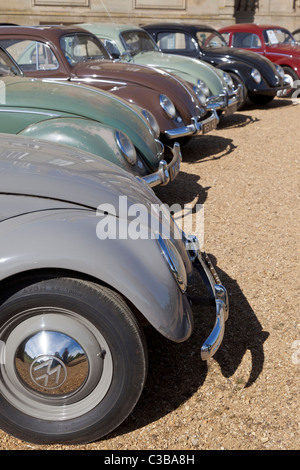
{"x": 66, "y": 240}
{"x": 83, "y": 134}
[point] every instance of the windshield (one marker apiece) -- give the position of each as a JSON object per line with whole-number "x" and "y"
{"x": 82, "y": 47}
{"x": 210, "y": 39}
{"x": 7, "y": 65}
{"x": 138, "y": 41}
{"x": 278, "y": 36}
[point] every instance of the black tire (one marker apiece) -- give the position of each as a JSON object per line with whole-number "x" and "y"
{"x": 292, "y": 77}
{"x": 260, "y": 100}
{"x": 46, "y": 398}
{"x": 238, "y": 81}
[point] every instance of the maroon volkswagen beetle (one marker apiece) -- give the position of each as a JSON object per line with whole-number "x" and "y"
{"x": 274, "y": 42}
{"x": 172, "y": 107}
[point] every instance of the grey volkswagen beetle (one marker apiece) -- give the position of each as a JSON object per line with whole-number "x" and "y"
{"x": 73, "y": 302}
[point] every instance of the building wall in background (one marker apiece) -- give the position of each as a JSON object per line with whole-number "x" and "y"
{"x": 214, "y": 12}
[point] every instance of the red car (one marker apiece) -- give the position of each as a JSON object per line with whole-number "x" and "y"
{"x": 274, "y": 42}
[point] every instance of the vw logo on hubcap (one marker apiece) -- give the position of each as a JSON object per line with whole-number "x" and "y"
{"x": 48, "y": 372}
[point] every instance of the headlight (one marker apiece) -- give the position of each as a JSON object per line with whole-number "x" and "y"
{"x": 174, "y": 261}
{"x": 200, "y": 95}
{"x": 203, "y": 87}
{"x": 126, "y": 147}
{"x": 167, "y": 106}
{"x": 228, "y": 80}
{"x": 152, "y": 122}
{"x": 280, "y": 70}
{"x": 255, "y": 74}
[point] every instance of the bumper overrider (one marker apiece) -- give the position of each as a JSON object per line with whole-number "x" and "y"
{"x": 167, "y": 171}
{"x": 197, "y": 127}
{"x": 218, "y": 296}
{"x": 226, "y": 102}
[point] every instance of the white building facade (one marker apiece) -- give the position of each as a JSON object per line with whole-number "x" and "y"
{"x": 216, "y": 13}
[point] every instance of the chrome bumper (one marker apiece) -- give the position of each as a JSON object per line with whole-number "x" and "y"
{"x": 219, "y": 295}
{"x": 166, "y": 172}
{"x": 196, "y": 128}
{"x": 226, "y": 102}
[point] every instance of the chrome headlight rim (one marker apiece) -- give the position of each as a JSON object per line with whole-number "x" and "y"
{"x": 174, "y": 261}
{"x": 203, "y": 87}
{"x": 152, "y": 122}
{"x": 167, "y": 105}
{"x": 126, "y": 147}
{"x": 256, "y": 75}
{"x": 200, "y": 95}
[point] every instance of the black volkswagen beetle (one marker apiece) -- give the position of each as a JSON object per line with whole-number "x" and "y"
{"x": 261, "y": 80}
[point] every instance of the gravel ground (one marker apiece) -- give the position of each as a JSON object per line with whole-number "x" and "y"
{"x": 247, "y": 396}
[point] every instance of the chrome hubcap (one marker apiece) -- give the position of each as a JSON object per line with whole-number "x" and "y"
{"x": 53, "y": 363}
{"x": 57, "y": 364}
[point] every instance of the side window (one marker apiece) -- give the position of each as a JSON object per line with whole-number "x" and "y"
{"x": 176, "y": 41}
{"x": 31, "y": 55}
{"x": 111, "y": 47}
{"x": 246, "y": 40}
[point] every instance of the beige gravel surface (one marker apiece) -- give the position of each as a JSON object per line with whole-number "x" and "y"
{"x": 246, "y": 173}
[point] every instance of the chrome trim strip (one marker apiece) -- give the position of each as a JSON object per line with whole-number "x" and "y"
{"x": 279, "y": 53}
{"x": 97, "y": 80}
{"x": 9, "y": 110}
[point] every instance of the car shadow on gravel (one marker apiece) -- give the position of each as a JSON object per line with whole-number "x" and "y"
{"x": 276, "y": 103}
{"x": 236, "y": 120}
{"x": 243, "y": 333}
{"x": 183, "y": 190}
{"x": 207, "y": 147}
{"x": 176, "y": 371}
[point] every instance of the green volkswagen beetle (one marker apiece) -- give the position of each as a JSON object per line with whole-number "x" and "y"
{"x": 86, "y": 118}
{"x": 133, "y": 44}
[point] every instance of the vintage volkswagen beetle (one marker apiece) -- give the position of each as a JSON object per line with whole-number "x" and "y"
{"x": 259, "y": 77}
{"x": 274, "y": 42}
{"x": 86, "y": 118}
{"x": 133, "y": 44}
{"x": 73, "y": 54}
{"x": 73, "y": 359}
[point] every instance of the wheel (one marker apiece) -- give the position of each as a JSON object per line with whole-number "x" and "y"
{"x": 74, "y": 362}
{"x": 260, "y": 100}
{"x": 238, "y": 81}
{"x": 290, "y": 76}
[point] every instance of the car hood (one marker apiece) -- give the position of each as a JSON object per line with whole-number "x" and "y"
{"x": 81, "y": 101}
{"x": 264, "y": 65}
{"x": 50, "y": 172}
{"x": 187, "y": 68}
{"x": 122, "y": 73}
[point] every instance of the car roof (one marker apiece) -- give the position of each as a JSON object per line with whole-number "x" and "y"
{"x": 108, "y": 27}
{"x": 250, "y": 26}
{"x": 180, "y": 26}
{"x": 46, "y": 32}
